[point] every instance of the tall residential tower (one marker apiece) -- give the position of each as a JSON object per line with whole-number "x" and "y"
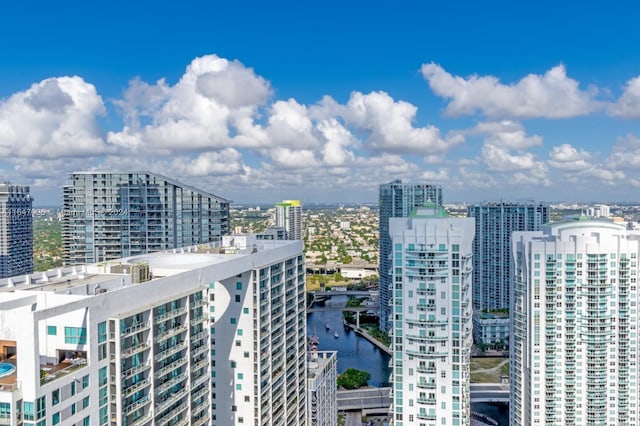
{"x": 492, "y": 247}
{"x": 431, "y": 325}
{"x": 111, "y": 215}
{"x": 16, "y": 230}
{"x": 397, "y": 199}
{"x": 289, "y": 217}
{"x": 574, "y": 341}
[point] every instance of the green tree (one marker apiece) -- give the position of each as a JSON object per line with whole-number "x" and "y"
{"x": 353, "y": 378}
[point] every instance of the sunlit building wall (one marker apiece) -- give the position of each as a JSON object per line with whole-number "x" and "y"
{"x": 431, "y": 336}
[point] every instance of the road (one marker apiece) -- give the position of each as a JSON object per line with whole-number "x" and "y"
{"x": 489, "y": 392}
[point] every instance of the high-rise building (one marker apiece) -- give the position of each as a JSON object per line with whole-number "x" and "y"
{"x": 259, "y": 327}
{"x": 574, "y": 341}
{"x": 111, "y": 215}
{"x": 397, "y": 199}
{"x": 16, "y": 230}
{"x": 492, "y": 247}
{"x": 431, "y": 326}
{"x": 289, "y": 217}
{"x": 203, "y": 335}
{"x": 322, "y": 396}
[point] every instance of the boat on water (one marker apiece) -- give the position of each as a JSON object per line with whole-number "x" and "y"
{"x": 335, "y": 334}
{"x": 326, "y": 325}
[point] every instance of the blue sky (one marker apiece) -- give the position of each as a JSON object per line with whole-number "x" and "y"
{"x": 323, "y": 101}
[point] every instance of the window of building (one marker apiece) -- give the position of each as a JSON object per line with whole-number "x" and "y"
{"x": 55, "y": 419}
{"x": 5, "y": 410}
{"x": 85, "y": 402}
{"x": 85, "y": 382}
{"x": 55, "y": 397}
{"x": 102, "y": 376}
{"x": 52, "y": 330}
{"x": 41, "y": 407}
{"x": 27, "y": 410}
{"x": 102, "y": 332}
{"x": 75, "y": 335}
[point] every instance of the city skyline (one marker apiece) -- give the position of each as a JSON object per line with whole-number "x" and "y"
{"x": 325, "y": 103}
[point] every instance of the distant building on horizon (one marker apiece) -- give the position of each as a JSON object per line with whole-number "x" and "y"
{"x": 397, "y": 199}
{"x": 108, "y": 215}
{"x": 431, "y": 324}
{"x": 574, "y": 340}
{"x": 289, "y": 217}
{"x": 599, "y": 210}
{"x": 16, "y": 230}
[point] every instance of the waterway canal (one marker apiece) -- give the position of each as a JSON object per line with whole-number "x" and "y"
{"x": 353, "y": 351}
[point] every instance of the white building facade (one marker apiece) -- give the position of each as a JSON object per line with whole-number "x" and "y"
{"x": 431, "y": 267}
{"x": 131, "y": 342}
{"x": 289, "y": 217}
{"x": 322, "y": 395}
{"x": 574, "y": 342}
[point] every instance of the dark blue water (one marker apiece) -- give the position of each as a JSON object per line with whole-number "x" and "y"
{"x": 499, "y": 413}
{"x": 353, "y": 351}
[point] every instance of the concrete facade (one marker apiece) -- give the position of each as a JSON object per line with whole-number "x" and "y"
{"x": 149, "y": 340}
{"x": 431, "y": 305}
{"x": 322, "y": 396}
{"x": 574, "y": 341}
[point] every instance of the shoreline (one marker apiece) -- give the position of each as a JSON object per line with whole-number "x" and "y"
{"x": 369, "y": 337}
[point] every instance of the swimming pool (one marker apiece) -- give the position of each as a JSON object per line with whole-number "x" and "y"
{"x": 6, "y": 369}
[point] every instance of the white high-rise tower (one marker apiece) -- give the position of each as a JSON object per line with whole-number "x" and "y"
{"x": 431, "y": 262}
{"x": 574, "y": 341}
{"x": 289, "y": 217}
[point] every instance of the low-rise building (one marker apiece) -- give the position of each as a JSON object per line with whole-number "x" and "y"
{"x": 491, "y": 328}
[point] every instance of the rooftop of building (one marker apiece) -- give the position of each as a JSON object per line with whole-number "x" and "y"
{"x": 318, "y": 360}
{"x": 496, "y": 314}
{"x": 429, "y": 210}
{"x": 86, "y": 280}
{"x": 157, "y": 175}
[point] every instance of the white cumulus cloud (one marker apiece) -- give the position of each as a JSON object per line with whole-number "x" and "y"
{"x": 567, "y": 157}
{"x": 628, "y": 105}
{"x": 54, "y": 118}
{"x": 390, "y": 125}
{"x": 551, "y": 95}
{"x": 199, "y": 112}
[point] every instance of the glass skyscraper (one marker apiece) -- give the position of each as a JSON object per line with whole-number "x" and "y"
{"x": 16, "y": 230}
{"x": 112, "y": 215}
{"x": 492, "y": 247}
{"x": 398, "y": 199}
